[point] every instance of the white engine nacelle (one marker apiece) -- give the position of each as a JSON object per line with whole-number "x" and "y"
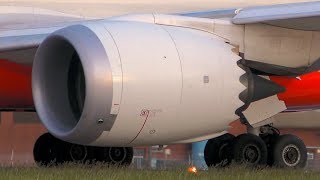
{"x": 126, "y": 83}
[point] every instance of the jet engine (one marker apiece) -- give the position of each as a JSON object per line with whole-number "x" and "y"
{"x": 126, "y": 83}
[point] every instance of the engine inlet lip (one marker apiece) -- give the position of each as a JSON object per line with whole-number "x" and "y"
{"x": 98, "y": 81}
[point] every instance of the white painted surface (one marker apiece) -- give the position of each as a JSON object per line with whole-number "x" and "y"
{"x": 275, "y": 45}
{"x": 263, "y": 109}
{"x": 151, "y": 77}
{"x": 115, "y": 62}
{"x": 179, "y": 84}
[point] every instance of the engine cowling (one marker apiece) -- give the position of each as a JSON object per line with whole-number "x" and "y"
{"x": 125, "y": 83}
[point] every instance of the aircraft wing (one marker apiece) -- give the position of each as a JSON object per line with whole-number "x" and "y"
{"x": 23, "y": 39}
{"x": 302, "y": 16}
{"x": 26, "y": 27}
{"x": 214, "y": 14}
{"x": 22, "y": 29}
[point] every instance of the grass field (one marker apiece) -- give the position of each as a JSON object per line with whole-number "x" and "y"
{"x": 103, "y": 172}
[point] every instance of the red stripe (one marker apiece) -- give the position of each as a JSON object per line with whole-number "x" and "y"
{"x": 141, "y": 128}
{"x": 15, "y": 85}
{"x": 303, "y": 91}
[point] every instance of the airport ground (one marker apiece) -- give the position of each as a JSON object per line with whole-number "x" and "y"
{"x": 103, "y": 172}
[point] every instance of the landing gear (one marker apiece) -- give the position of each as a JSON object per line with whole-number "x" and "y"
{"x": 50, "y": 151}
{"x": 120, "y": 156}
{"x": 218, "y": 151}
{"x": 289, "y": 151}
{"x": 46, "y": 150}
{"x": 77, "y": 153}
{"x": 267, "y": 147}
{"x": 250, "y": 149}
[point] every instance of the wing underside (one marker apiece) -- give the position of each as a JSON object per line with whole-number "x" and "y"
{"x": 302, "y": 16}
{"x": 23, "y": 29}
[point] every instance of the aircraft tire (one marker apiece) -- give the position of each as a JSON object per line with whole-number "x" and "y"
{"x": 289, "y": 151}
{"x": 217, "y": 152}
{"x": 119, "y": 156}
{"x": 250, "y": 149}
{"x": 78, "y": 154}
{"x": 46, "y": 150}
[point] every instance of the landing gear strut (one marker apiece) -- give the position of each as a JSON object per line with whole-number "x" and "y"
{"x": 50, "y": 151}
{"x": 268, "y": 147}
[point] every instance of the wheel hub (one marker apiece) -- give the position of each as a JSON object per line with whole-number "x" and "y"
{"x": 251, "y": 153}
{"x": 78, "y": 152}
{"x": 117, "y": 155}
{"x": 291, "y": 155}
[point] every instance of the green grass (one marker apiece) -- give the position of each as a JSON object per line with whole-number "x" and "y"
{"x": 104, "y": 172}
